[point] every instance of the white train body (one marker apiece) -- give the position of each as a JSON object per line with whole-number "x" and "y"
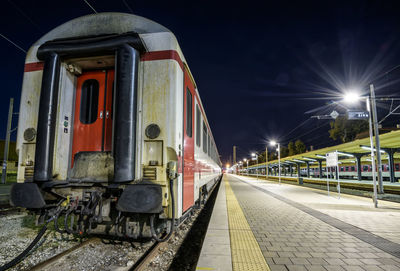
{"x": 97, "y": 137}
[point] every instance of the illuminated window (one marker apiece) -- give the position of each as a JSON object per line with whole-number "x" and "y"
{"x": 209, "y": 149}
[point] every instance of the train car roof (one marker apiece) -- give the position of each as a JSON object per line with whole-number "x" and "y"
{"x": 103, "y": 23}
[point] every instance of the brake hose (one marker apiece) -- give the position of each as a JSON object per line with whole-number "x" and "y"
{"x": 172, "y": 228}
{"x": 28, "y": 249}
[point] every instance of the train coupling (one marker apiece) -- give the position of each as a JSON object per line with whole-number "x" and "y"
{"x": 76, "y": 215}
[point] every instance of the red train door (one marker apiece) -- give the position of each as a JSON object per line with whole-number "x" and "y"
{"x": 93, "y": 112}
{"x": 188, "y": 145}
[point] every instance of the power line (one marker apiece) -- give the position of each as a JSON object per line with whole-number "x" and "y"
{"x": 300, "y": 125}
{"x": 127, "y": 6}
{"x": 306, "y": 133}
{"x": 13, "y": 43}
{"x": 90, "y": 6}
{"x": 24, "y": 14}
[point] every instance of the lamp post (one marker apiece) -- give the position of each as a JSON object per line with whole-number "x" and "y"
{"x": 274, "y": 143}
{"x": 377, "y": 142}
{"x": 372, "y": 153}
{"x": 266, "y": 162}
{"x": 256, "y": 156}
{"x": 247, "y": 168}
{"x": 352, "y": 97}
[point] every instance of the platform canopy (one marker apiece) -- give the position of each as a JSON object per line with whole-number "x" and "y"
{"x": 389, "y": 140}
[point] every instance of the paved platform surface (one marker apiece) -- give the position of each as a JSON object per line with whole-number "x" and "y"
{"x": 300, "y": 228}
{"x": 216, "y": 249}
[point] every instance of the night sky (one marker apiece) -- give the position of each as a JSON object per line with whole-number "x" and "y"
{"x": 262, "y": 69}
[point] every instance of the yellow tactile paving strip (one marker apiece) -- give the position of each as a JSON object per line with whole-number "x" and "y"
{"x": 246, "y": 253}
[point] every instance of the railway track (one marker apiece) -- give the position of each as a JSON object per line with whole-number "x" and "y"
{"x": 6, "y": 209}
{"x": 146, "y": 258}
{"x": 47, "y": 264}
{"x": 149, "y": 256}
{"x": 139, "y": 265}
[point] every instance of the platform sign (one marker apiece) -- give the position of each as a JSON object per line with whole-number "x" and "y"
{"x": 334, "y": 114}
{"x": 357, "y": 115}
{"x": 331, "y": 159}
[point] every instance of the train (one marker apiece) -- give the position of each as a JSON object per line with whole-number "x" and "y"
{"x": 112, "y": 135}
{"x": 346, "y": 171}
{"x": 349, "y": 171}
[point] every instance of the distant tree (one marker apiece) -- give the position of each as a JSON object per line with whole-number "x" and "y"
{"x": 291, "y": 148}
{"x": 284, "y": 151}
{"x": 347, "y": 130}
{"x": 300, "y": 146}
{"x": 261, "y": 157}
{"x": 12, "y": 154}
{"x": 272, "y": 155}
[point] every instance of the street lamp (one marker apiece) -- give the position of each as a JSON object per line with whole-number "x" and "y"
{"x": 274, "y": 143}
{"x": 247, "y": 168}
{"x": 266, "y": 162}
{"x": 352, "y": 97}
{"x": 256, "y": 156}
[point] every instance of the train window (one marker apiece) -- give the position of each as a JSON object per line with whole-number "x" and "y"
{"x": 397, "y": 166}
{"x": 353, "y": 169}
{"x": 204, "y": 137}
{"x": 189, "y": 113}
{"x": 347, "y": 168}
{"x": 89, "y": 101}
{"x": 209, "y": 143}
{"x": 198, "y": 126}
{"x": 365, "y": 168}
{"x": 341, "y": 168}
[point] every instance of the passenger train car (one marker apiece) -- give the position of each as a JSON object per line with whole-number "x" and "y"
{"x": 346, "y": 171}
{"x": 349, "y": 171}
{"x": 112, "y": 135}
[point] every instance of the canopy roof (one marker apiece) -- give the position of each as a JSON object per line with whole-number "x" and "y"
{"x": 387, "y": 140}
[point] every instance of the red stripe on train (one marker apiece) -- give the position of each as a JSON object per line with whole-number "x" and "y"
{"x": 34, "y": 66}
{"x": 163, "y": 55}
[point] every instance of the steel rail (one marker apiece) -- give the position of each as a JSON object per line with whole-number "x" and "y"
{"x": 46, "y": 263}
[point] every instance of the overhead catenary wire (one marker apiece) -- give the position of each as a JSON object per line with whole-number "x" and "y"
{"x": 127, "y": 6}
{"x": 298, "y": 126}
{"x": 391, "y": 112}
{"x": 24, "y": 14}
{"x": 13, "y": 43}
{"x": 286, "y": 141}
{"x": 90, "y": 6}
{"x": 312, "y": 130}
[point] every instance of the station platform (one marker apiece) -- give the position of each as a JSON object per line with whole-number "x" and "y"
{"x": 390, "y": 189}
{"x": 264, "y": 225}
